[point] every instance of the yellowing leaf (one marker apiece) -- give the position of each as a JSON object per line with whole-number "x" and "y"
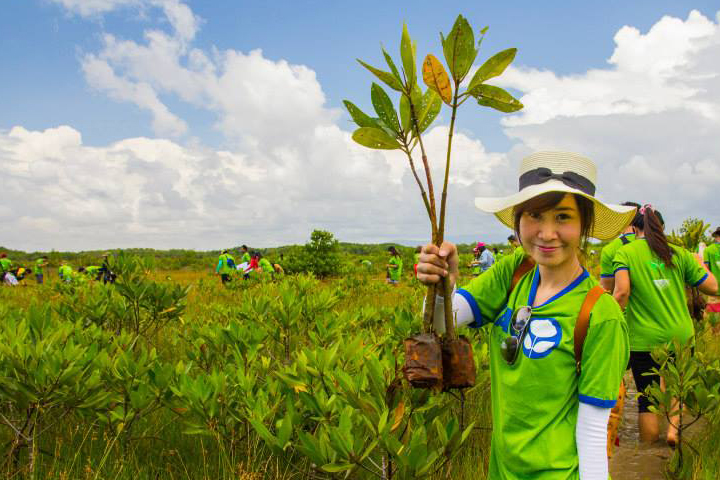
{"x": 398, "y": 416}
{"x": 436, "y": 77}
{"x": 300, "y": 388}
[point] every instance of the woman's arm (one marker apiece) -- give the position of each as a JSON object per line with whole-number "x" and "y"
{"x": 709, "y": 286}
{"x": 591, "y": 440}
{"x": 622, "y": 287}
{"x": 461, "y": 309}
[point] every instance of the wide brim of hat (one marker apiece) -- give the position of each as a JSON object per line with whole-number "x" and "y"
{"x": 610, "y": 219}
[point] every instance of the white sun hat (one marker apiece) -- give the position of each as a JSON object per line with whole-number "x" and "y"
{"x": 544, "y": 172}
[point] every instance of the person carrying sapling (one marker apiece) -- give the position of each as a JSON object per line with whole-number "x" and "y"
{"x": 550, "y": 413}
{"x": 394, "y": 266}
{"x": 650, "y": 279}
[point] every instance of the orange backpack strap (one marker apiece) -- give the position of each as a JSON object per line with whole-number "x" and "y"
{"x": 526, "y": 265}
{"x": 583, "y": 322}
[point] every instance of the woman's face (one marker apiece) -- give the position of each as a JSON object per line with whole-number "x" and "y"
{"x": 552, "y": 238}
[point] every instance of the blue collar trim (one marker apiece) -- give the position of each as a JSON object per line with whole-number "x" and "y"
{"x": 536, "y": 282}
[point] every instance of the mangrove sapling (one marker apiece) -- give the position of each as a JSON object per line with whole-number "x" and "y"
{"x": 692, "y": 390}
{"x": 404, "y": 132}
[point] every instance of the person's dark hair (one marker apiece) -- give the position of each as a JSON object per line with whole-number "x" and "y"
{"x": 418, "y": 249}
{"x": 653, "y": 225}
{"x": 495, "y": 251}
{"x": 638, "y": 216}
{"x": 512, "y": 238}
{"x": 716, "y": 233}
{"x": 543, "y": 203}
{"x": 392, "y": 250}
{"x": 244, "y": 247}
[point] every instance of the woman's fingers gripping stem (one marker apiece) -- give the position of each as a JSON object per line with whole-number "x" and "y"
{"x": 437, "y": 262}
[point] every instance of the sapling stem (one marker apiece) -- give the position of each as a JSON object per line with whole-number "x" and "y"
{"x": 447, "y": 287}
{"x": 430, "y": 296}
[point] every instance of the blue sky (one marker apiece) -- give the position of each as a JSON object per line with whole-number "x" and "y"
{"x": 45, "y": 85}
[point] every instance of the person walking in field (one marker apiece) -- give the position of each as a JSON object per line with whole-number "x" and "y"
{"x": 650, "y": 279}
{"x": 40, "y": 265}
{"x": 394, "y": 266}
{"x": 225, "y": 266}
{"x": 607, "y": 270}
{"x": 245, "y": 258}
{"x": 711, "y": 257}
{"x": 550, "y": 398}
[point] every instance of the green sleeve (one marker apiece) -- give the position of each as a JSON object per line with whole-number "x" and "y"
{"x": 605, "y": 355}
{"x": 706, "y": 255}
{"x": 606, "y": 262}
{"x": 693, "y": 272}
{"x": 620, "y": 261}
{"x": 487, "y": 294}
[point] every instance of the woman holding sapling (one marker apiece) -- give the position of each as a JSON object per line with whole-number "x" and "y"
{"x": 550, "y": 402}
{"x": 394, "y": 266}
{"x": 650, "y": 280}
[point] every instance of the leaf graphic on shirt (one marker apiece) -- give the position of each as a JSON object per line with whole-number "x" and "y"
{"x": 543, "y": 336}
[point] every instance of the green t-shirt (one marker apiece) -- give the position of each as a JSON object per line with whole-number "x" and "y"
{"x": 266, "y": 266}
{"x": 5, "y": 264}
{"x": 367, "y": 264}
{"x": 245, "y": 258}
{"x": 711, "y": 257}
{"x": 535, "y": 401}
{"x": 222, "y": 267}
{"x": 92, "y": 270}
{"x": 39, "y": 265}
{"x": 607, "y": 270}
{"x": 416, "y": 256}
{"x": 65, "y": 272}
{"x": 657, "y": 309}
{"x": 396, "y": 270}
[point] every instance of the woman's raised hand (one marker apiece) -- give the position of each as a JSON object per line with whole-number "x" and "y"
{"x": 437, "y": 262}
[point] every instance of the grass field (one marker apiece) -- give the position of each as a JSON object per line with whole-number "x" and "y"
{"x": 169, "y": 374}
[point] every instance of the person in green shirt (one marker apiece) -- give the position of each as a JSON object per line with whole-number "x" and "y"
{"x": 245, "y": 255}
{"x": 711, "y": 257}
{"x": 40, "y": 264}
{"x": 650, "y": 279}
{"x": 394, "y": 266}
{"x": 5, "y": 266}
{"x": 607, "y": 271}
{"x": 94, "y": 272}
{"x": 549, "y": 420}
{"x": 65, "y": 272}
{"x": 265, "y": 265}
{"x": 225, "y": 267}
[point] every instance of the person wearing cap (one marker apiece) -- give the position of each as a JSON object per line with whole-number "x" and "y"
{"x": 607, "y": 271}
{"x": 650, "y": 279}
{"x": 394, "y": 266}
{"x": 225, "y": 266}
{"x": 40, "y": 264}
{"x": 550, "y": 414}
{"x": 711, "y": 257}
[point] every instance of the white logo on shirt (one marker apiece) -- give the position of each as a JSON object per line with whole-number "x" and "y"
{"x": 661, "y": 283}
{"x": 543, "y": 336}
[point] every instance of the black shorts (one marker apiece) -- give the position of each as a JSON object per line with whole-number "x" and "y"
{"x": 640, "y": 363}
{"x": 225, "y": 277}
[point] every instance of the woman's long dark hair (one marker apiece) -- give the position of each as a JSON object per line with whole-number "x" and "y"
{"x": 653, "y": 225}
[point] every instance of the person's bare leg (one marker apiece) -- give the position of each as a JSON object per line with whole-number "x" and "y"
{"x": 649, "y": 427}
{"x": 672, "y": 432}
